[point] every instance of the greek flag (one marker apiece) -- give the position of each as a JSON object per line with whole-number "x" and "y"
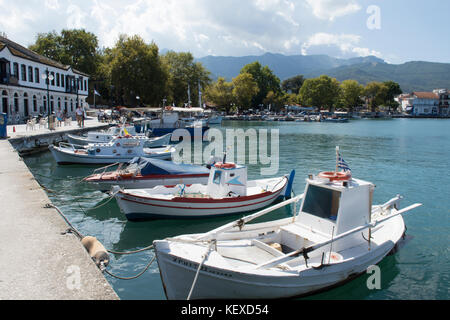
{"x": 96, "y": 93}
{"x": 343, "y": 165}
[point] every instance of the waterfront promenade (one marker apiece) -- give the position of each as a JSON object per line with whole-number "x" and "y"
{"x": 37, "y": 260}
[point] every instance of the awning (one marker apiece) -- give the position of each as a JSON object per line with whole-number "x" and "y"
{"x": 155, "y": 166}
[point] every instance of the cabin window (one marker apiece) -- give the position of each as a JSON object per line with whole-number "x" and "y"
{"x": 217, "y": 176}
{"x": 322, "y": 202}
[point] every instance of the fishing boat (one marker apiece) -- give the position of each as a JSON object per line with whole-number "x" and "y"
{"x": 120, "y": 149}
{"x": 142, "y": 173}
{"x": 113, "y": 132}
{"x": 336, "y": 235}
{"x": 173, "y": 118}
{"x": 227, "y": 192}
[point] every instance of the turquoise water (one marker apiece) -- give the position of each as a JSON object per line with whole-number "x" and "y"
{"x": 410, "y": 157}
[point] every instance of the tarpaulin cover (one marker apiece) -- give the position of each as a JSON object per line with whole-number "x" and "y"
{"x": 155, "y": 166}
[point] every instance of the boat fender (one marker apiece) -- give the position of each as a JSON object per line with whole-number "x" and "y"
{"x": 96, "y": 250}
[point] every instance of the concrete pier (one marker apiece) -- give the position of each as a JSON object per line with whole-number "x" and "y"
{"x": 27, "y": 141}
{"x": 37, "y": 261}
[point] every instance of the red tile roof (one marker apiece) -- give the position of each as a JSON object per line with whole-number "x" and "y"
{"x": 426, "y": 95}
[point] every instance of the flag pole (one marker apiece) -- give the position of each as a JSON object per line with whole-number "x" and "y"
{"x": 337, "y": 158}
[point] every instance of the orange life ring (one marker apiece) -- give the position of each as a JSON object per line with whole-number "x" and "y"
{"x": 335, "y": 176}
{"x": 221, "y": 165}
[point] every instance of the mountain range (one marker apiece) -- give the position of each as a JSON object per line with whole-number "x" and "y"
{"x": 412, "y": 76}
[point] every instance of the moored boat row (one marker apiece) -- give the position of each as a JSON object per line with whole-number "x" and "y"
{"x": 335, "y": 232}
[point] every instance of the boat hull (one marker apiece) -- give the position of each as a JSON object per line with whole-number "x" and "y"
{"x": 63, "y": 157}
{"x": 141, "y": 208}
{"x": 178, "y": 272}
{"x": 155, "y": 142}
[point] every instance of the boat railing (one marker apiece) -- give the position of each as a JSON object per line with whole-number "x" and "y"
{"x": 304, "y": 251}
{"x": 71, "y": 146}
{"x": 105, "y": 168}
{"x": 241, "y": 222}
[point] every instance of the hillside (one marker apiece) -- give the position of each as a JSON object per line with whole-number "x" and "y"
{"x": 412, "y": 76}
{"x": 283, "y": 66}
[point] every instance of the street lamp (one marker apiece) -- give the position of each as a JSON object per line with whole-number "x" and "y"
{"x": 48, "y": 77}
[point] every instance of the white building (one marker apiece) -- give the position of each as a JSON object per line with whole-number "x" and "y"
{"x": 23, "y": 91}
{"x": 420, "y": 103}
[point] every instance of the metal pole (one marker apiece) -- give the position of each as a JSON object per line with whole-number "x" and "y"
{"x": 48, "y": 98}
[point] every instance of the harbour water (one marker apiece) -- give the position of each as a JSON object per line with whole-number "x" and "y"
{"x": 400, "y": 156}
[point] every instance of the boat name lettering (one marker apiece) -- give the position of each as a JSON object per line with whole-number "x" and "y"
{"x": 204, "y": 268}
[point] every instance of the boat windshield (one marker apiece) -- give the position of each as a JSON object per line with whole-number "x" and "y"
{"x": 322, "y": 202}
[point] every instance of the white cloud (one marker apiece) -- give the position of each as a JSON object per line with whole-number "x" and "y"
{"x": 75, "y": 17}
{"x": 332, "y": 9}
{"x": 346, "y": 43}
{"x": 232, "y": 28}
{"x": 52, "y": 4}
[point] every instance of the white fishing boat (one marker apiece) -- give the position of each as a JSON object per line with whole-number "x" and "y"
{"x": 142, "y": 173}
{"x": 336, "y": 235}
{"x": 112, "y": 133}
{"x": 120, "y": 149}
{"x": 227, "y": 192}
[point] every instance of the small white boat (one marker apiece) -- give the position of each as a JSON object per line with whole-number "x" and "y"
{"x": 112, "y": 133}
{"x": 227, "y": 192}
{"x": 120, "y": 149}
{"x": 334, "y": 236}
{"x": 147, "y": 173}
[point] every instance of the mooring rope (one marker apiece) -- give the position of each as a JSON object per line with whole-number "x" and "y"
{"x": 205, "y": 256}
{"x": 134, "y": 277}
{"x": 72, "y": 228}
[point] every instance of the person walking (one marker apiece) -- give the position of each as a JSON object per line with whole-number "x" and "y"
{"x": 80, "y": 114}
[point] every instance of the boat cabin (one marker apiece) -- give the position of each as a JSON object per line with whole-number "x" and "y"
{"x": 330, "y": 208}
{"x": 227, "y": 180}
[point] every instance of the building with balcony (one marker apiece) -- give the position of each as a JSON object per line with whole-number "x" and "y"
{"x": 23, "y": 90}
{"x": 444, "y": 101}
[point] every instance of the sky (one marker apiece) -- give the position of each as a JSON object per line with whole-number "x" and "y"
{"x": 394, "y": 30}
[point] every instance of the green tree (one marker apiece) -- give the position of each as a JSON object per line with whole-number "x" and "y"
{"x": 221, "y": 93}
{"x": 184, "y": 72}
{"x": 77, "y": 48}
{"x": 245, "y": 88}
{"x": 321, "y": 92}
{"x": 136, "y": 71}
{"x": 393, "y": 90}
{"x": 350, "y": 94}
{"x": 376, "y": 93}
{"x": 293, "y": 84}
{"x": 265, "y": 80}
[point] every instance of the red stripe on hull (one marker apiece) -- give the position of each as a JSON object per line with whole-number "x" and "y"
{"x": 208, "y": 208}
